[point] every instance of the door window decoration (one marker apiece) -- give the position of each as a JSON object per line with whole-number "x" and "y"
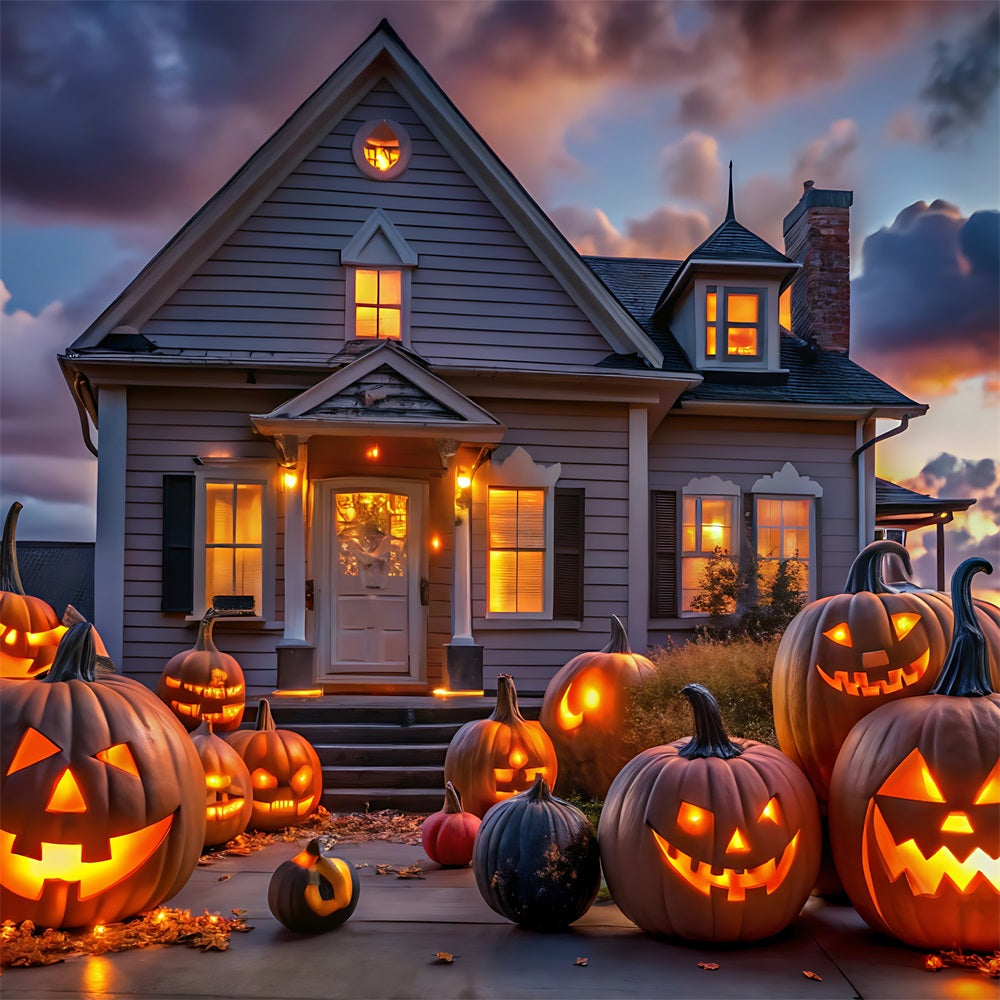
{"x": 371, "y": 536}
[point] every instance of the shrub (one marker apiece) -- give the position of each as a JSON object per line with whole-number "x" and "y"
{"x": 737, "y": 670}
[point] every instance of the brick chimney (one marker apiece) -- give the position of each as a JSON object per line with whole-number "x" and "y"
{"x": 817, "y": 234}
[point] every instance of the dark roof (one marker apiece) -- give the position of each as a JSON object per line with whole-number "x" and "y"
{"x": 891, "y": 498}
{"x": 734, "y": 243}
{"x": 827, "y": 378}
{"x": 60, "y": 573}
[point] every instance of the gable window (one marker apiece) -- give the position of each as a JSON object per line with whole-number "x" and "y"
{"x": 381, "y": 148}
{"x": 516, "y": 530}
{"x": 734, "y": 322}
{"x": 707, "y": 526}
{"x": 378, "y": 303}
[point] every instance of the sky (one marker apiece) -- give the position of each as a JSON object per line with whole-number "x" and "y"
{"x": 118, "y": 120}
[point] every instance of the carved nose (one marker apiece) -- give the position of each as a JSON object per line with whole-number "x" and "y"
{"x": 66, "y": 796}
{"x": 737, "y": 843}
{"x": 956, "y": 822}
{"x": 875, "y": 658}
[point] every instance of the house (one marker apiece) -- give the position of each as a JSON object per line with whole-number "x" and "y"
{"x": 372, "y": 387}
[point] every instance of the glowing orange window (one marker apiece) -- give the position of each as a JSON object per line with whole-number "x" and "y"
{"x": 742, "y": 324}
{"x": 516, "y": 550}
{"x": 378, "y": 299}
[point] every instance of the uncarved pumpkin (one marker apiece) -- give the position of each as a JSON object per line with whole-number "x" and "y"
{"x": 915, "y": 801}
{"x": 492, "y": 759}
{"x": 228, "y": 792}
{"x": 536, "y": 860}
{"x": 708, "y": 838}
{"x": 314, "y": 891}
{"x": 284, "y": 770}
{"x": 103, "y": 795}
{"x": 583, "y": 712}
{"x": 447, "y": 836}
{"x": 29, "y": 628}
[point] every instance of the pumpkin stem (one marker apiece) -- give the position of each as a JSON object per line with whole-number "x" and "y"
{"x": 506, "y": 710}
{"x": 10, "y": 578}
{"x": 205, "y": 729}
{"x": 539, "y": 791}
{"x": 204, "y": 642}
{"x": 75, "y": 659}
{"x": 865, "y": 573}
{"x": 265, "y": 720}
{"x": 619, "y": 638}
{"x": 966, "y": 670}
{"x": 710, "y": 739}
{"x": 452, "y": 799}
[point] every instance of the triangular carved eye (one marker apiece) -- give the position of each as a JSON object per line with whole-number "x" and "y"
{"x": 34, "y": 746}
{"x": 840, "y": 634}
{"x": 119, "y": 756}
{"x": 770, "y": 812}
{"x": 903, "y": 624}
{"x": 693, "y": 819}
{"x": 912, "y": 780}
{"x": 989, "y": 794}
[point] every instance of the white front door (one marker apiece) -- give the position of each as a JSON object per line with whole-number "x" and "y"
{"x": 369, "y": 613}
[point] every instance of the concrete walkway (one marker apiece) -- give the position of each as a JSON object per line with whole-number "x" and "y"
{"x": 387, "y": 949}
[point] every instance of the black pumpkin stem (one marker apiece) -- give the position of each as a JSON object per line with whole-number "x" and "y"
{"x": 10, "y": 578}
{"x": 539, "y": 791}
{"x": 966, "y": 670}
{"x": 75, "y": 658}
{"x": 619, "y": 638}
{"x": 710, "y": 739}
{"x": 265, "y": 720}
{"x": 865, "y": 573}
{"x": 506, "y": 710}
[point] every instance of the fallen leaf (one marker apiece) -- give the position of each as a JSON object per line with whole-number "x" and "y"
{"x": 988, "y": 963}
{"x": 933, "y": 963}
{"x": 444, "y": 957}
{"x": 711, "y": 966}
{"x": 812, "y": 975}
{"x": 226, "y": 877}
{"x": 581, "y": 961}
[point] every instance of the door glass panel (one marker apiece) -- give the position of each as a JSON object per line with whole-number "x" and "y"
{"x": 371, "y": 536}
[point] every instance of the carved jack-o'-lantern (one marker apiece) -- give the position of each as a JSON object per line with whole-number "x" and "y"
{"x": 710, "y": 838}
{"x": 285, "y": 772}
{"x": 915, "y": 802}
{"x": 29, "y": 629}
{"x": 583, "y": 711}
{"x": 103, "y": 803}
{"x": 314, "y": 891}
{"x": 495, "y": 758}
{"x": 204, "y": 683}
{"x": 228, "y": 792}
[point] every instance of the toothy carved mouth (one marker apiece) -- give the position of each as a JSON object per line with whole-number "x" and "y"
{"x": 925, "y": 874}
{"x": 223, "y": 810}
{"x": 862, "y": 685}
{"x": 286, "y": 806}
{"x": 64, "y": 862}
{"x": 701, "y": 876}
{"x": 228, "y": 712}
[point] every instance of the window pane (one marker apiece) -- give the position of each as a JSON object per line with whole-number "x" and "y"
{"x": 741, "y": 340}
{"x": 219, "y": 576}
{"x": 691, "y": 571}
{"x": 366, "y": 287}
{"x": 531, "y": 519}
{"x": 530, "y": 574}
{"x": 388, "y": 323}
{"x": 503, "y": 581}
{"x": 219, "y": 499}
{"x": 769, "y": 512}
{"x": 710, "y": 342}
{"x": 689, "y": 532}
{"x": 711, "y": 307}
{"x": 503, "y": 519}
{"x": 768, "y": 542}
{"x": 366, "y": 322}
{"x": 715, "y": 525}
{"x": 390, "y": 288}
{"x": 796, "y": 512}
{"x": 796, "y": 544}
{"x": 249, "y": 529}
{"x": 785, "y": 308}
{"x": 249, "y": 578}
{"x": 741, "y": 307}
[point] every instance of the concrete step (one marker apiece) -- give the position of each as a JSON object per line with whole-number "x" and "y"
{"x": 381, "y": 754}
{"x": 345, "y": 778}
{"x": 322, "y": 734}
{"x": 415, "y": 800}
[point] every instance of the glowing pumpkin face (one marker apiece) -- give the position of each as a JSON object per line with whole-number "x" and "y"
{"x": 583, "y": 712}
{"x": 103, "y": 810}
{"x": 228, "y": 793}
{"x": 314, "y": 891}
{"x": 285, "y": 772}
{"x": 708, "y": 838}
{"x": 495, "y": 758}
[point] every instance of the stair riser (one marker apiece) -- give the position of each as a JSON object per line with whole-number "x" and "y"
{"x": 371, "y": 800}
{"x": 428, "y": 779}
{"x": 413, "y": 755}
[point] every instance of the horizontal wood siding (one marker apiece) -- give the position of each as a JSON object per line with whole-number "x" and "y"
{"x": 591, "y": 444}
{"x": 478, "y": 295}
{"x": 686, "y": 447}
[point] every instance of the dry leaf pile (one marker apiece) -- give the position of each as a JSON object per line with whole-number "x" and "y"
{"x": 406, "y": 871}
{"x": 21, "y": 945}
{"x": 988, "y": 964}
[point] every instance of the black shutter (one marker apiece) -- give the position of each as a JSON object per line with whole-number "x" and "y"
{"x": 177, "y": 593}
{"x": 567, "y": 584}
{"x": 663, "y": 565}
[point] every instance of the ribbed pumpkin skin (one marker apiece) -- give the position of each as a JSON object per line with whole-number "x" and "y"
{"x": 448, "y": 835}
{"x": 286, "y": 895}
{"x": 84, "y": 717}
{"x": 536, "y": 860}
{"x": 495, "y": 758}
{"x": 587, "y": 736}
{"x": 218, "y": 758}
{"x": 649, "y": 795}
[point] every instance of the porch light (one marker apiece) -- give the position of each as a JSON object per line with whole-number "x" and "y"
{"x": 463, "y": 489}
{"x": 373, "y": 453}
{"x": 291, "y": 480}
{"x": 435, "y": 543}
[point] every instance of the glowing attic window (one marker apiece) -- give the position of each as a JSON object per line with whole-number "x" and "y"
{"x": 381, "y": 148}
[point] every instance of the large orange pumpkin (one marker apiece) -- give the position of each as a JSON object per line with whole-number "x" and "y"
{"x": 228, "y": 792}
{"x": 492, "y": 759}
{"x": 284, "y": 770}
{"x": 29, "y": 629}
{"x": 583, "y": 712}
{"x": 103, "y": 795}
{"x": 915, "y": 801}
{"x": 708, "y": 838}
{"x": 204, "y": 683}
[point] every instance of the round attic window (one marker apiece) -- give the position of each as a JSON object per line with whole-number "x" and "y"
{"x": 381, "y": 148}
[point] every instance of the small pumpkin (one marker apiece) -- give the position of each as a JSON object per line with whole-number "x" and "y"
{"x": 492, "y": 759}
{"x": 915, "y": 801}
{"x": 536, "y": 860}
{"x": 29, "y": 628}
{"x": 708, "y": 838}
{"x": 103, "y": 795}
{"x": 285, "y": 772}
{"x": 204, "y": 683}
{"x": 314, "y": 891}
{"x": 228, "y": 791}
{"x": 583, "y": 712}
{"x": 447, "y": 836}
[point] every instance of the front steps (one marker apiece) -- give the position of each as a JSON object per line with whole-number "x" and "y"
{"x": 384, "y": 753}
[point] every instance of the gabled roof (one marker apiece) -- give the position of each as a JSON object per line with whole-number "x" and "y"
{"x": 381, "y": 55}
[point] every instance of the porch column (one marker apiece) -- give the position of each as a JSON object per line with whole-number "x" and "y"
{"x": 294, "y": 653}
{"x": 465, "y": 657}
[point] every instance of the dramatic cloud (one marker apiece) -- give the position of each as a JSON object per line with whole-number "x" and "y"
{"x": 963, "y": 81}
{"x": 666, "y": 233}
{"x": 691, "y": 167}
{"x": 926, "y": 307}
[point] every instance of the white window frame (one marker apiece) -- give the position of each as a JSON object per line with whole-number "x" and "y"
{"x": 237, "y": 472}
{"x": 519, "y": 471}
{"x": 708, "y": 488}
{"x": 767, "y": 324}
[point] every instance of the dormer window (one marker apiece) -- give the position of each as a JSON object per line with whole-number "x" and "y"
{"x": 378, "y": 304}
{"x": 734, "y": 322}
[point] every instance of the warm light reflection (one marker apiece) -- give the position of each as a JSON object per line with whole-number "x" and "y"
{"x": 298, "y": 693}
{"x": 372, "y": 453}
{"x": 435, "y": 543}
{"x": 447, "y": 693}
{"x": 291, "y": 480}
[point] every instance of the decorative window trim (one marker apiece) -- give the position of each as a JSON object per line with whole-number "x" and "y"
{"x": 361, "y": 138}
